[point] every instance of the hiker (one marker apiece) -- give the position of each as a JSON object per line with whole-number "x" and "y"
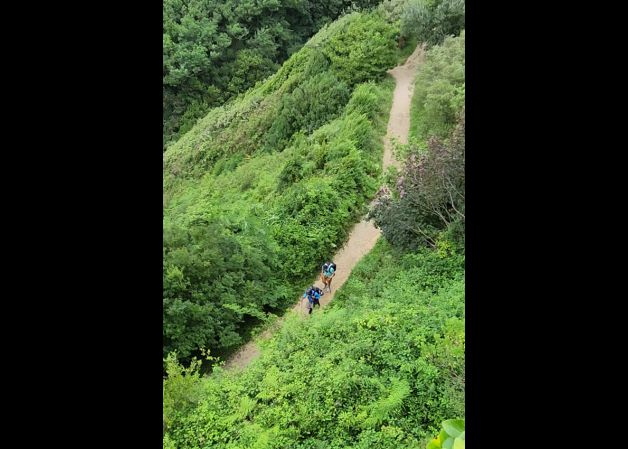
{"x": 328, "y": 271}
{"x": 313, "y": 295}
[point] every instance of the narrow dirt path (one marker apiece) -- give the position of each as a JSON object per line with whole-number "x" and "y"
{"x": 364, "y": 235}
{"x": 399, "y": 120}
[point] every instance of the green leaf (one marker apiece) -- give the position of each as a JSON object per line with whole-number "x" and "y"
{"x": 454, "y": 427}
{"x": 458, "y": 443}
{"x": 449, "y": 443}
{"x": 434, "y": 444}
{"x": 461, "y": 436}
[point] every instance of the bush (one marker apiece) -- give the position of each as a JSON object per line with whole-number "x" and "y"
{"x": 431, "y": 21}
{"x": 431, "y": 194}
{"x": 215, "y": 275}
{"x": 240, "y": 241}
{"x": 439, "y": 91}
{"x": 364, "y": 50}
{"x": 181, "y": 389}
{"x": 316, "y": 101}
{"x": 381, "y": 366}
{"x": 213, "y": 51}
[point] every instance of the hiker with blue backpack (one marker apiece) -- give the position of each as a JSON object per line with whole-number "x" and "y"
{"x": 328, "y": 271}
{"x": 313, "y": 295}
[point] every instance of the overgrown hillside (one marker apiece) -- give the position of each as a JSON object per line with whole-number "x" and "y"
{"x": 439, "y": 91}
{"x": 381, "y": 367}
{"x": 216, "y": 49}
{"x": 263, "y": 189}
{"x": 428, "y": 199}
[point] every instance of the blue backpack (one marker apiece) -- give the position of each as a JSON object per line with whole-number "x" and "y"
{"x": 313, "y": 292}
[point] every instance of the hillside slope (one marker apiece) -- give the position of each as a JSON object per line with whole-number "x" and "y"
{"x": 364, "y": 234}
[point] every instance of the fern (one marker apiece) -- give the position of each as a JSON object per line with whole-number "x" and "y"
{"x": 267, "y": 439}
{"x": 247, "y": 405}
{"x": 390, "y": 404}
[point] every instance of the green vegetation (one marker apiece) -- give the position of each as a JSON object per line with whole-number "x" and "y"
{"x": 451, "y": 437}
{"x": 361, "y": 51}
{"x": 262, "y": 118}
{"x": 381, "y": 367}
{"x": 214, "y": 50}
{"x": 430, "y": 198}
{"x": 431, "y": 21}
{"x": 439, "y": 91}
{"x": 262, "y": 190}
{"x": 428, "y": 201}
{"x": 243, "y": 242}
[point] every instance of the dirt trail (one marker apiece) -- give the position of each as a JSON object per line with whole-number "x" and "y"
{"x": 364, "y": 235}
{"x": 399, "y": 120}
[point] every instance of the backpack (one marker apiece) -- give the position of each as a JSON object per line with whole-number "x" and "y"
{"x": 313, "y": 289}
{"x": 313, "y": 293}
{"x": 327, "y": 266}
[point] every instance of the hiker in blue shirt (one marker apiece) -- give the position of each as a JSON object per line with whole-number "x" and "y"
{"x": 313, "y": 295}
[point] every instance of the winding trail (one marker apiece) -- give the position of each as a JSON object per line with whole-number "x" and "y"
{"x": 364, "y": 235}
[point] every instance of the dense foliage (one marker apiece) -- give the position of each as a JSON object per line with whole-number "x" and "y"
{"x": 214, "y": 50}
{"x": 301, "y": 95}
{"x": 263, "y": 189}
{"x": 259, "y": 193}
{"x": 439, "y": 91}
{"x": 381, "y": 367}
{"x": 361, "y": 51}
{"x": 429, "y": 198}
{"x": 239, "y": 244}
{"x": 431, "y": 21}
